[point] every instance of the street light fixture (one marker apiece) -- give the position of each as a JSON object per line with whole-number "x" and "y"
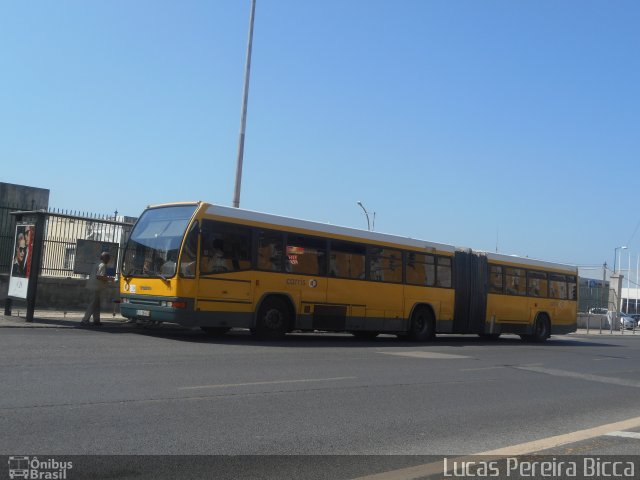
{"x": 369, "y": 225}
{"x": 615, "y": 256}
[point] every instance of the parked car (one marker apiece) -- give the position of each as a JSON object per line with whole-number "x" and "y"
{"x": 636, "y": 317}
{"x": 598, "y": 311}
{"x": 627, "y": 321}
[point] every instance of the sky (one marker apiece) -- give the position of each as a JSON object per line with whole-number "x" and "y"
{"x": 495, "y": 125}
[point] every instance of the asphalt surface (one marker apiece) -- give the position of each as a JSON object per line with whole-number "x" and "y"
{"x": 125, "y": 390}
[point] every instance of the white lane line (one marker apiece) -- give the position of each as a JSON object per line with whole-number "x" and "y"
{"x": 433, "y": 468}
{"x": 420, "y": 354}
{"x": 481, "y": 368}
{"x": 582, "y": 376}
{"x": 274, "y": 382}
{"x": 624, "y": 434}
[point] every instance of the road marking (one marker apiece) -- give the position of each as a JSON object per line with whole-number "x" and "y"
{"x": 420, "y": 354}
{"x": 624, "y": 434}
{"x": 481, "y": 368}
{"x": 274, "y": 382}
{"x": 437, "y": 468}
{"x": 582, "y": 376}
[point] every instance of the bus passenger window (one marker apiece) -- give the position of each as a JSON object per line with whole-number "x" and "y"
{"x": 571, "y": 288}
{"x": 443, "y": 278}
{"x": 306, "y": 255}
{"x": 270, "y": 251}
{"x": 496, "y": 279}
{"x": 224, "y": 248}
{"x": 385, "y": 265}
{"x": 537, "y": 284}
{"x": 557, "y": 286}
{"x": 421, "y": 269}
{"x": 347, "y": 260}
{"x": 516, "y": 282}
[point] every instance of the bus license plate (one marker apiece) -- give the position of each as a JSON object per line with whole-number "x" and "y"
{"x": 143, "y": 313}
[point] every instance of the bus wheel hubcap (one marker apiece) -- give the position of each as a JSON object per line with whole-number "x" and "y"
{"x": 273, "y": 319}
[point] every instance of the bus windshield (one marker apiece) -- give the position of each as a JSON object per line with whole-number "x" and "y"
{"x": 152, "y": 249}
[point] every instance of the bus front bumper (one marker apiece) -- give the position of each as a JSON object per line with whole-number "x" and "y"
{"x": 158, "y": 309}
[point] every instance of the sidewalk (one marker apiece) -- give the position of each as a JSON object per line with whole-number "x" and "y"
{"x": 56, "y": 319}
{"x": 596, "y": 331}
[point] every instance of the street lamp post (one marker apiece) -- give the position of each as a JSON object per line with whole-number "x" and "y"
{"x": 243, "y": 119}
{"x": 369, "y": 225}
{"x": 615, "y": 256}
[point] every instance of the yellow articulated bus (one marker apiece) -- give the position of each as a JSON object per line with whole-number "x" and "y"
{"x": 214, "y": 267}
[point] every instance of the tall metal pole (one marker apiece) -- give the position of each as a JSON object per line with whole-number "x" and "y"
{"x": 628, "y": 280}
{"x": 637, "y": 281}
{"x": 615, "y": 256}
{"x": 243, "y": 119}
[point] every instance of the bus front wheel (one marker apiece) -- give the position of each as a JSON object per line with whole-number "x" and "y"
{"x": 422, "y": 325}
{"x": 273, "y": 319}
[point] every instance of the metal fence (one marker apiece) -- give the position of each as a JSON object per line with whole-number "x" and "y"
{"x": 593, "y": 297}
{"x": 62, "y": 231}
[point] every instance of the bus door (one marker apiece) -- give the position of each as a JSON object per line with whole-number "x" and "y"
{"x": 225, "y": 252}
{"x": 470, "y": 281}
{"x": 306, "y": 265}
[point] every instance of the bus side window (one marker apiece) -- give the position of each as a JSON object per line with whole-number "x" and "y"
{"x": 270, "y": 251}
{"x": 211, "y": 254}
{"x": 443, "y": 275}
{"x": 347, "y": 260}
{"x": 571, "y": 288}
{"x": 496, "y": 282}
{"x": 224, "y": 248}
{"x": 385, "y": 265}
{"x": 306, "y": 255}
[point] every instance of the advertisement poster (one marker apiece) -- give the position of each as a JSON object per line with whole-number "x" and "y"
{"x": 88, "y": 254}
{"x": 21, "y": 263}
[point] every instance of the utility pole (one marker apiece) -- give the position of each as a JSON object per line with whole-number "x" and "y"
{"x": 243, "y": 118}
{"x": 605, "y": 290}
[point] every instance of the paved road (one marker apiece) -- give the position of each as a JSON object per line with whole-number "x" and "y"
{"x": 169, "y": 391}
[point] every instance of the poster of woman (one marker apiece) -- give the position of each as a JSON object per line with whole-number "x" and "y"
{"x": 21, "y": 264}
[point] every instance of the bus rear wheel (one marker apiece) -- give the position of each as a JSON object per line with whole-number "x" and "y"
{"x": 422, "y": 326}
{"x": 541, "y": 330}
{"x": 273, "y": 319}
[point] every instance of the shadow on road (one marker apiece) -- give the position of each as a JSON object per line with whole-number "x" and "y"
{"x": 330, "y": 339}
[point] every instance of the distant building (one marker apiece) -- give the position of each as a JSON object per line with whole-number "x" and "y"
{"x": 630, "y": 300}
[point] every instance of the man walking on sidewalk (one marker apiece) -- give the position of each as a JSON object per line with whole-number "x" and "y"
{"x": 97, "y": 283}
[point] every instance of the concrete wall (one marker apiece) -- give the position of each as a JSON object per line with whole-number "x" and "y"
{"x": 64, "y": 294}
{"x": 594, "y": 321}
{"x": 23, "y": 197}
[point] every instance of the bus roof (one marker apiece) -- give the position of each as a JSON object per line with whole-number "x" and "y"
{"x": 326, "y": 228}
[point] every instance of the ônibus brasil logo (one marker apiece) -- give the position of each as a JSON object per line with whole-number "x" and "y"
{"x": 33, "y": 468}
